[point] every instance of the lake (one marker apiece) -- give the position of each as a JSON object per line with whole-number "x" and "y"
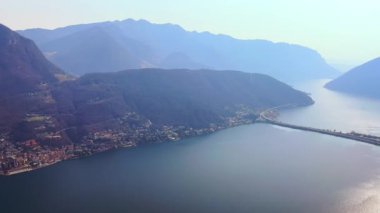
{"x": 253, "y": 168}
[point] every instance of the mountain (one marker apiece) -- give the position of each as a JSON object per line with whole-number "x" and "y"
{"x": 39, "y": 100}
{"x": 23, "y": 66}
{"x": 26, "y": 79}
{"x": 94, "y": 50}
{"x": 47, "y": 116}
{"x": 187, "y": 98}
{"x": 362, "y": 80}
{"x": 130, "y": 44}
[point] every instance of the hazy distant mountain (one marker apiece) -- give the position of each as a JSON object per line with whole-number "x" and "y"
{"x": 95, "y": 50}
{"x": 362, "y": 80}
{"x": 41, "y": 103}
{"x": 180, "y": 60}
{"x": 112, "y": 46}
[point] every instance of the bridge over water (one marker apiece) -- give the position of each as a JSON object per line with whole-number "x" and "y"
{"x": 267, "y": 117}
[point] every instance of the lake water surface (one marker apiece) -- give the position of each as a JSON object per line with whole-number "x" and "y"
{"x": 253, "y": 168}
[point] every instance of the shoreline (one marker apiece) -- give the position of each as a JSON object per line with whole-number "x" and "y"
{"x": 242, "y": 120}
{"x": 30, "y": 169}
{"x": 212, "y": 130}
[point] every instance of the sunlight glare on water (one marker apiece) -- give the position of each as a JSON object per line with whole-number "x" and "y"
{"x": 334, "y": 110}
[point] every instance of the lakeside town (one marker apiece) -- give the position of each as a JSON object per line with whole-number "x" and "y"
{"x": 30, "y": 154}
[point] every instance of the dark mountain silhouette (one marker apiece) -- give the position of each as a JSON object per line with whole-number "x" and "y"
{"x": 26, "y": 78}
{"x": 170, "y": 46}
{"x": 23, "y": 67}
{"x": 362, "y": 80}
{"x": 193, "y": 98}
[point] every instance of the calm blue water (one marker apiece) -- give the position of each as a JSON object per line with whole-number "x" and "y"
{"x": 334, "y": 110}
{"x": 254, "y": 168}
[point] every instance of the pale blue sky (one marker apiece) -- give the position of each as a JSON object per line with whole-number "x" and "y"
{"x": 343, "y": 31}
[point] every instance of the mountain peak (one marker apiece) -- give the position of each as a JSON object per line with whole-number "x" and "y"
{"x": 22, "y": 66}
{"x": 7, "y": 36}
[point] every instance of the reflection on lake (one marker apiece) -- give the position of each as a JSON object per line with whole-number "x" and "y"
{"x": 334, "y": 110}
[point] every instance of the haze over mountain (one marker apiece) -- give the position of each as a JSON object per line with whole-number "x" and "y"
{"x": 113, "y": 46}
{"x": 41, "y": 103}
{"x": 362, "y": 80}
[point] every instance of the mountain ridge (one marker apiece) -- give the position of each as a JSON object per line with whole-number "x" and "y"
{"x": 286, "y": 62}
